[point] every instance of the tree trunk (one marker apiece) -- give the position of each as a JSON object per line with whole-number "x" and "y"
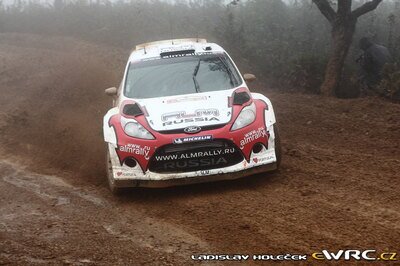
{"x": 342, "y": 36}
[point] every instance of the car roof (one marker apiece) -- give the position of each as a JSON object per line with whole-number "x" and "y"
{"x": 155, "y": 49}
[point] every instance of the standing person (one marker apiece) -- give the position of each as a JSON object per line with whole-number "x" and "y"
{"x": 372, "y": 60}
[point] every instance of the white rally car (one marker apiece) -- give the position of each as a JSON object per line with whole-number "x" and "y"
{"x": 184, "y": 114}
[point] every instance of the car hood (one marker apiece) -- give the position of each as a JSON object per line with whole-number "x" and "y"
{"x": 181, "y": 111}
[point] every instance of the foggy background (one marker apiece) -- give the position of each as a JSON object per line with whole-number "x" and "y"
{"x": 285, "y": 43}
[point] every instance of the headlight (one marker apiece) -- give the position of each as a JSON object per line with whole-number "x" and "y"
{"x": 134, "y": 129}
{"x": 245, "y": 118}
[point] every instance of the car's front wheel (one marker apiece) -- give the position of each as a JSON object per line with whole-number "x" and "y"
{"x": 110, "y": 178}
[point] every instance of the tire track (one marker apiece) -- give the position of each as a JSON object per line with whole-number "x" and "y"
{"x": 72, "y": 203}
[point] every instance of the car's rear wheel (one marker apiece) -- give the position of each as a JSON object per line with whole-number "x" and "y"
{"x": 110, "y": 178}
{"x": 278, "y": 149}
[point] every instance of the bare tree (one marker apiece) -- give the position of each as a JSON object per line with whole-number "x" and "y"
{"x": 343, "y": 22}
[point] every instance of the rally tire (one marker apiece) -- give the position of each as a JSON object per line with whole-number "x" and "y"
{"x": 278, "y": 148}
{"x": 110, "y": 179}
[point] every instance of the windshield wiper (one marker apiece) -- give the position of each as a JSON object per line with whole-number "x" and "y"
{"x": 196, "y": 70}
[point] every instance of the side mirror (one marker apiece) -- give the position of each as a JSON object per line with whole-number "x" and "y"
{"x": 111, "y": 91}
{"x": 249, "y": 78}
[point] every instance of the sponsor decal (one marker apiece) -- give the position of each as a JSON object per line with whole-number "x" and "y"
{"x": 187, "y": 99}
{"x": 127, "y": 174}
{"x": 130, "y": 173}
{"x": 197, "y": 160}
{"x": 195, "y": 163}
{"x": 177, "y": 55}
{"x": 262, "y": 159}
{"x": 252, "y": 136}
{"x": 192, "y": 139}
{"x": 194, "y": 155}
{"x": 190, "y": 120}
{"x": 177, "y": 48}
{"x": 192, "y": 130}
{"x": 136, "y": 150}
{"x": 182, "y": 114}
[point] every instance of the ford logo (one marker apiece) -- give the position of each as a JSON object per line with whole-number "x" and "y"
{"x": 192, "y": 130}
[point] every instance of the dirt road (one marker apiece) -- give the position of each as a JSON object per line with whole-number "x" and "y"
{"x": 338, "y": 187}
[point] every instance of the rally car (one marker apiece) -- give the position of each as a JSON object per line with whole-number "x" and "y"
{"x": 184, "y": 114}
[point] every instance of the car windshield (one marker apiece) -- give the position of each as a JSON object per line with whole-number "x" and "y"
{"x": 181, "y": 75}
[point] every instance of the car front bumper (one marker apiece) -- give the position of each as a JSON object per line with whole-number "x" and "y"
{"x": 125, "y": 177}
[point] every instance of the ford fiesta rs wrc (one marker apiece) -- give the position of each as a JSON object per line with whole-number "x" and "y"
{"x": 184, "y": 114}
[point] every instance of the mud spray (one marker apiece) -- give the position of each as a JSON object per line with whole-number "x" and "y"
{"x": 54, "y": 119}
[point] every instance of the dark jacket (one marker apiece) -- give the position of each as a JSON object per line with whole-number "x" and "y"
{"x": 375, "y": 57}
